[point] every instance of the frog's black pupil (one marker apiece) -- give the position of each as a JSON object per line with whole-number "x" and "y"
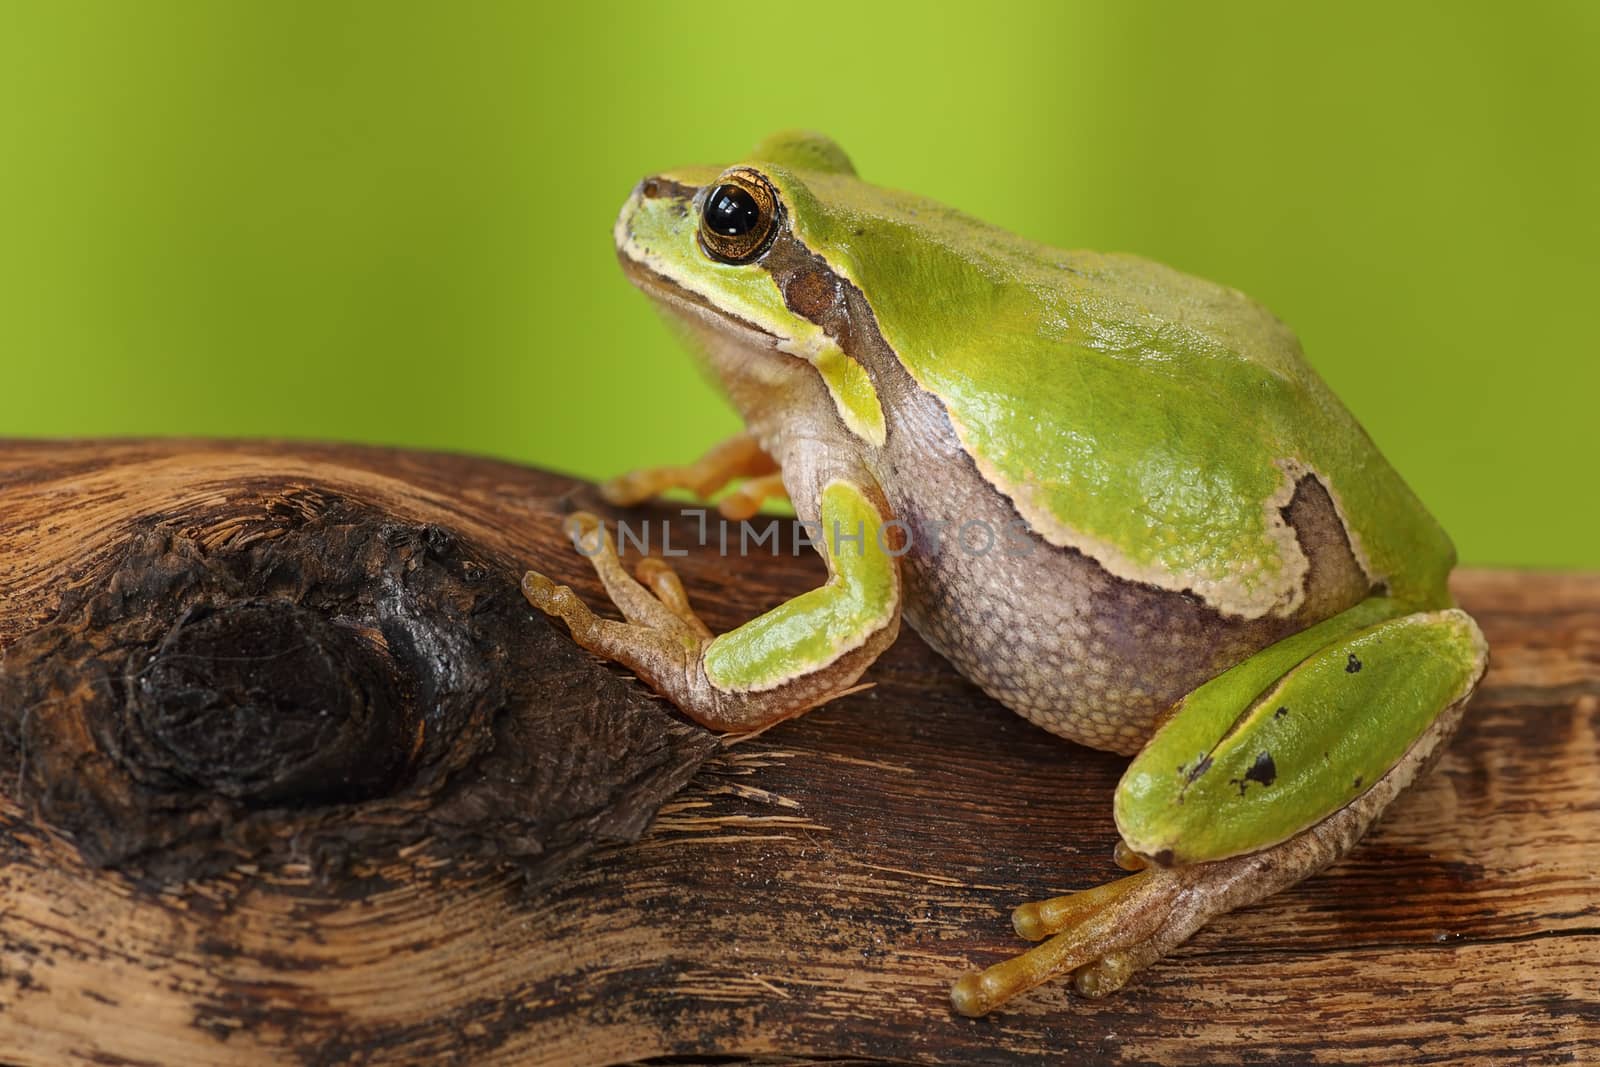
{"x": 731, "y": 212}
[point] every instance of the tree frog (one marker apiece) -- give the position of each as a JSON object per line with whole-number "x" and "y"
{"x": 1162, "y": 533}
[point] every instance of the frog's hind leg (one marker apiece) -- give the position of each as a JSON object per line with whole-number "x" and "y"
{"x": 1103, "y": 936}
{"x": 1234, "y": 799}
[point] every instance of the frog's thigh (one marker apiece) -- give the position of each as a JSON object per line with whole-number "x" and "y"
{"x": 1292, "y": 735}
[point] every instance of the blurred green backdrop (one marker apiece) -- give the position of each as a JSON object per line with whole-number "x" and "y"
{"x": 391, "y": 223}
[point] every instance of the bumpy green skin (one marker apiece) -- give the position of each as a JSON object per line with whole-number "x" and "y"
{"x": 1156, "y": 422}
{"x": 1153, "y": 419}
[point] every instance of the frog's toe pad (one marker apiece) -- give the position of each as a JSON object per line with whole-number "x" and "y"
{"x": 1111, "y": 972}
{"x": 543, "y": 593}
{"x": 557, "y": 601}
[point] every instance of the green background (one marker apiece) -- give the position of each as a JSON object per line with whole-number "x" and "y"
{"x": 391, "y": 223}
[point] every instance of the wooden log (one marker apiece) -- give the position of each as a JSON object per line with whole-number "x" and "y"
{"x": 810, "y": 894}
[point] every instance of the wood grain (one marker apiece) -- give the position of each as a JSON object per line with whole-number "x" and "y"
{"x": 814, "y": 890}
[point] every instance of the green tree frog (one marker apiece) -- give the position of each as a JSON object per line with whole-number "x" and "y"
{"x": 1186, "y": 548}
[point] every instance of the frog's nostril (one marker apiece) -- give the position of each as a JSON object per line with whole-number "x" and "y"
{"x": 650, "y": 189}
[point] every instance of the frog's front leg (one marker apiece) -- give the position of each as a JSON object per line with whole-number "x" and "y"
{"x": 738, "y": 457}
{"x": 798, "y": 655}
{"x": 1259, "y": 778}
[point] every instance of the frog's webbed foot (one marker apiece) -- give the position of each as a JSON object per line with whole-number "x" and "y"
{"x": 1259, "y": 779}
{"x": 796, "y": 656}
{"x": 737, "y": 457}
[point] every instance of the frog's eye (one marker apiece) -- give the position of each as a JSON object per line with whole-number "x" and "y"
{"x": 739, "y": 217}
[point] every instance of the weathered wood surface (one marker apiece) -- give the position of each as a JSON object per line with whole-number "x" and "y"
{"x": 814, "y": 890}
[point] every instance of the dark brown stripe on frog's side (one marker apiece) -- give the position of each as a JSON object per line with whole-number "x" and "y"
{"x": 816, "y": 292}
{"x": 812, "y": 289}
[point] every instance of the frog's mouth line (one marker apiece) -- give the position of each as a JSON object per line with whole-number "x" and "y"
{"x": 689, "y": 303}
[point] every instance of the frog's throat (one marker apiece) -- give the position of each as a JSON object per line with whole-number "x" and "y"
{"x": 813, "y": 294}
{"x": 692, "y": 305}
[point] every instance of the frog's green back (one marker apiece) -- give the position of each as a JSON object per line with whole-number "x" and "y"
{"x": 1154, "y": 420}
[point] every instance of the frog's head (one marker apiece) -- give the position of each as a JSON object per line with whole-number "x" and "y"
{"x": 702, "y": 240}
{"x": 743, "y": 256}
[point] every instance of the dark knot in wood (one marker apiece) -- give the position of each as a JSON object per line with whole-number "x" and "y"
{"x": 324, "y": 682}
{"x": 270, "y": 703}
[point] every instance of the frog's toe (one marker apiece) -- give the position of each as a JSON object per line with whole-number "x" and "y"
{"x": 639, "y": 605}
{"x": 1083, "y": 930}
{"x": 635, "y": 487}
{"x": 1112, "y": 971}
{"x": 659, "y": 577}
{"x": 739, "y": 457}
{"x": 1039, "y": 920}
{"x": 746, "y": 500}
{"x": 557, "y": 601}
